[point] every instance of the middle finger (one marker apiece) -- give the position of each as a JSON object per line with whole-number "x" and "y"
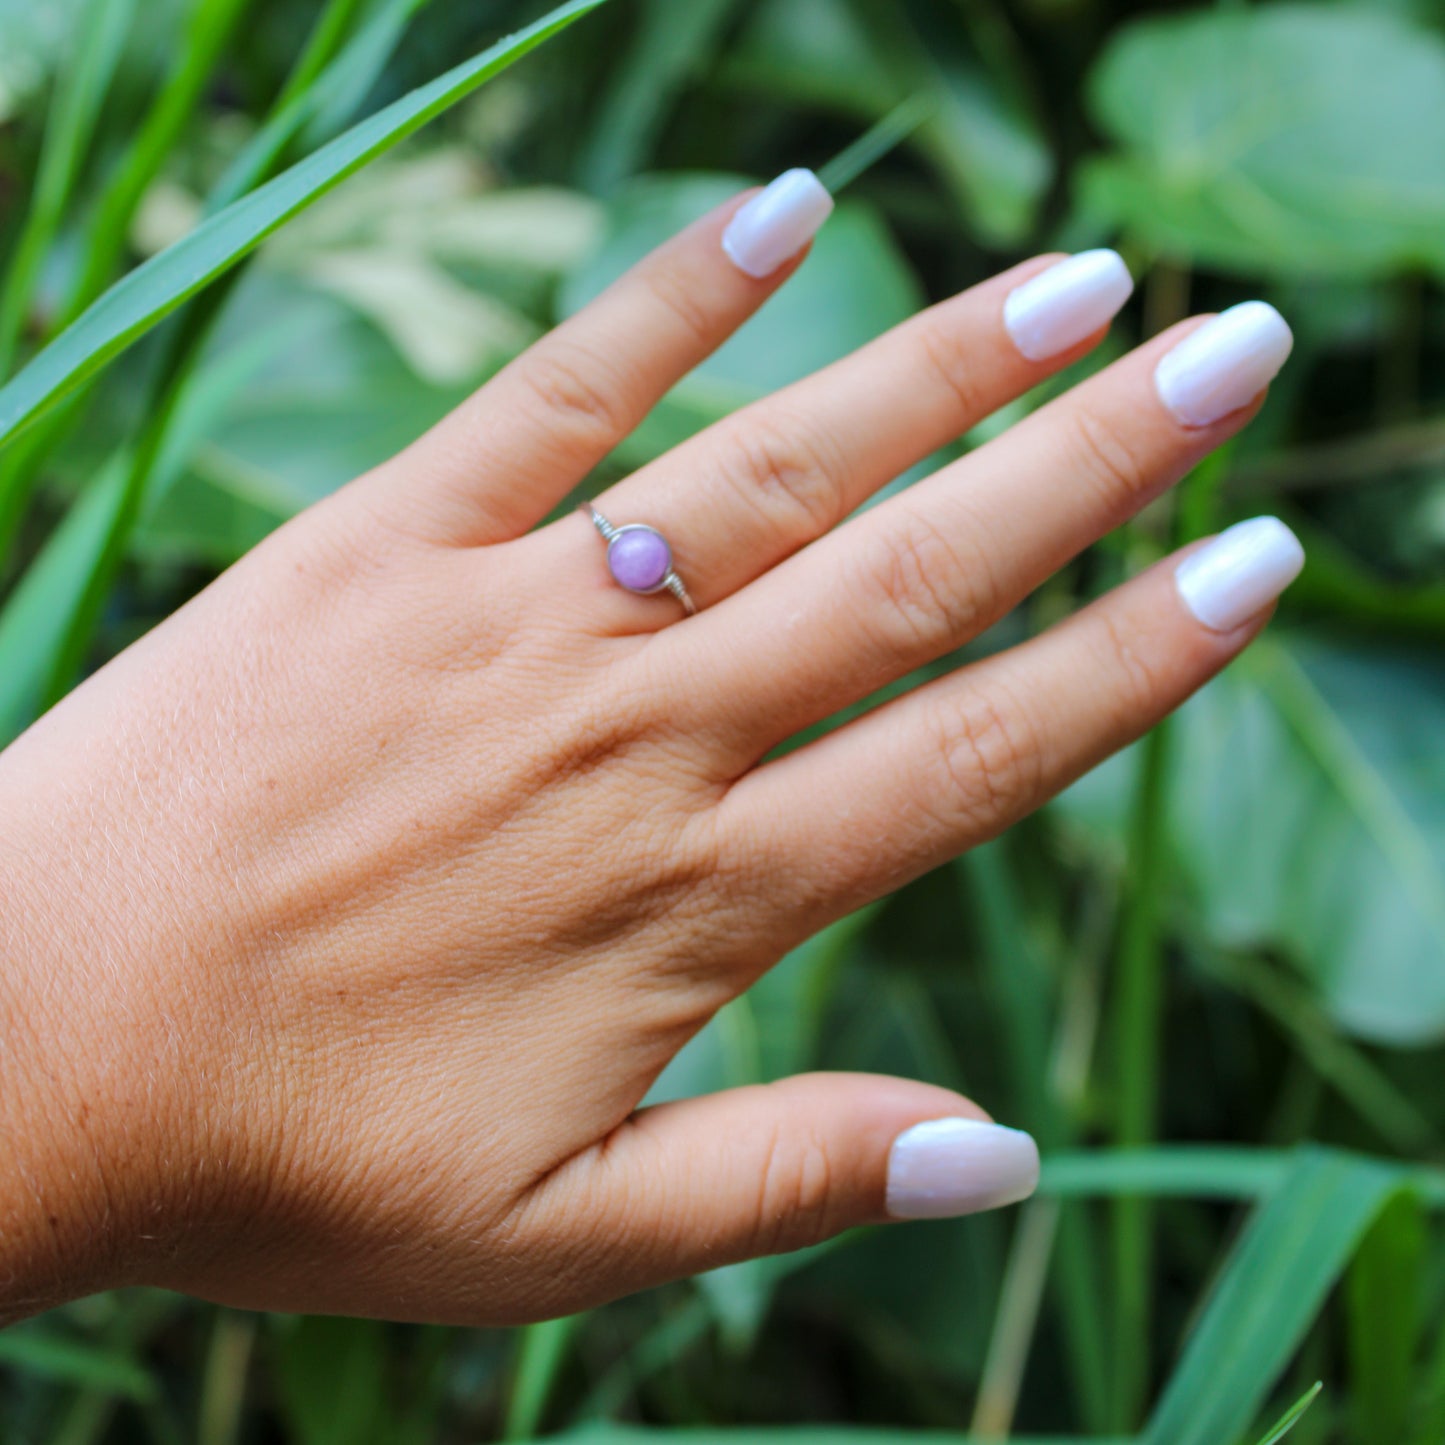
{"x": 934, "y": 567}
{"x": 748, "y": 492}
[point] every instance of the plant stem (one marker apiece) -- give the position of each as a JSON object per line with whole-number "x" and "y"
{"x": 1138, "y": 1018}
{"x": 223, "y": 1388}
{"x": 539, "y": 1359}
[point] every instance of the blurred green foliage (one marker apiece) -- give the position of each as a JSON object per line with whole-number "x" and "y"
{"x": 1211, "y": 979}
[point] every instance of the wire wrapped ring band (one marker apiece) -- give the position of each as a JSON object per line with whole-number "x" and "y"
{"x": 639, "y": 559}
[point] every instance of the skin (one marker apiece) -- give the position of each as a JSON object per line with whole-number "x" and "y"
{"x": 348, "y": 916}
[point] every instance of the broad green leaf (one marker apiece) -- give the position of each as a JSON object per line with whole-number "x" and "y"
{"x": 76, "y": 1363}
{"x": 1385, "y": 1294}
{"x": 1285, "y": 138}
{"x": 331, "y": 404}
{"x": 156, "y": 289}
{"x": 1307, "y": 812}
{"x": 853, "y": 286}
{"x": 1290, "y": 1256}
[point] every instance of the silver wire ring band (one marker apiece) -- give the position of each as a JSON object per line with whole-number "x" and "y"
{"x": 640, "y": 559}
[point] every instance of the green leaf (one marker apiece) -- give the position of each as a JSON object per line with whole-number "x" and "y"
{"x": 865, "y": 58}
{"x": 1386, "y": 1311}
{"x": 673, "y": 45}
{"x": 1286, "y": 138}
{"x": 41, "y": 609}
{"x": 332, "y": 1377}
{"x": 1293, "y": 1415}
{"x": 1200, "y": 1172}
{"x": 156, "y": 289}
{"x": 853, "y": 286}
{"x": 1290, "y": 1256}
{"x": 822, "y": 1435}
{"x": 74, "y": 1363}
{"x": 79, "y": 94}
{"x": 1307, "y": 813}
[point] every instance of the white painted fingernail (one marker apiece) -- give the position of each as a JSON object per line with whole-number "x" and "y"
{"x": 948, "y": 1167}
{"x": 1225, "y": 364}
{"x": 1059, "y": 307}
{"x": 777, "y": 223}
{"x": 1240, "y": 572}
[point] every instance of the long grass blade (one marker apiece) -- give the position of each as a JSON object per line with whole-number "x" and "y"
{"x": 211, "y": 26}
{"x": 1293, "y": 1415}
{"x": 80, "y": 93}
{"x": 155, "y": 290}
{"x": 1289, "y": 1258}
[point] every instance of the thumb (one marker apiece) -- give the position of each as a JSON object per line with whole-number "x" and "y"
{"x": 686, "y": 1187}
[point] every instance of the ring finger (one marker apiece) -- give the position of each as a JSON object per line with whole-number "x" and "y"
{"x": 745, "y": 494}
{"x": 936, "y": 566}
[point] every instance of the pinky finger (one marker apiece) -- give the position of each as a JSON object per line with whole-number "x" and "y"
{"x": 949, "y": 766}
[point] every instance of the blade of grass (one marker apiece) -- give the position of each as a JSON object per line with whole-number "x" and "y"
{"x": 1347, "y": 1068}
{"x": 541, "y": 1350}
{"x": 876, "y": 142}
{"x": 1290, "y": 1256}
{"x": 792, "y": 1435}
{"x": 1137, "y": 1035}
{"x": 212, "y": 23}
{"x": 1293, "y": 1415}
{"x": 40, "y": 612}
{"x": 324, "y": 41}
{"x": 673, "y": 45}
{"x": 328, "y": 100}
{"x": 80, "y": 93}
{"x": 74, "y": 1363}
{"x": 1202, "y": 1172}
{"x": 1385, "y": 1312}
{"x": 223, "y": 1386}
{"x": 153, "y": 291}
{"x": 92, "y": 583}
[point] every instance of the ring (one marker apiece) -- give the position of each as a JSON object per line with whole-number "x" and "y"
{"x": 640, "y": 559}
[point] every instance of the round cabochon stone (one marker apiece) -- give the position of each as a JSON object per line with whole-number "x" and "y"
{"x": 639, "y": 558}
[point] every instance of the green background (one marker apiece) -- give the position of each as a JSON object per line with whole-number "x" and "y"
{"x": 1211, "y": 979}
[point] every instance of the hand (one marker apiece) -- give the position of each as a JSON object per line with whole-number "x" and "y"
{"x": 350, "y": 914}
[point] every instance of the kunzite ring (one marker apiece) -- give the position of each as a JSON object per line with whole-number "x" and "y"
{"x": 639, "y": 559}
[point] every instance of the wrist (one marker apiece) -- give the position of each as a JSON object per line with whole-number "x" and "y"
{"x": 82, "y": 1099}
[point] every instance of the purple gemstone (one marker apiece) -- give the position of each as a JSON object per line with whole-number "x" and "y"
{"x": 639, "y": 558}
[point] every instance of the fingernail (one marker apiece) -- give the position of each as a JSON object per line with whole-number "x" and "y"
{"x": 1225, "y": 364}
{"x": 948, "y": 1167}
{"x": 1059, "y": 307}
{"x": 776, "y": 224}
{"x": 1240, "y": 572}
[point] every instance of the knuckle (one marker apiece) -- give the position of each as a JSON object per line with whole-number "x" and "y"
{"x": 955, "y": 365}
{"x": 796, "y": 1195}
{"x": 575, "y": 389}
{"x": 683, "y": 301}
{"x": 989, "y": 760}
{"x": 1111, "y": 463}
{"x": 1138, "y": 682}
{"x": 919, "y": 589}
{"x": 785, "y": 472}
